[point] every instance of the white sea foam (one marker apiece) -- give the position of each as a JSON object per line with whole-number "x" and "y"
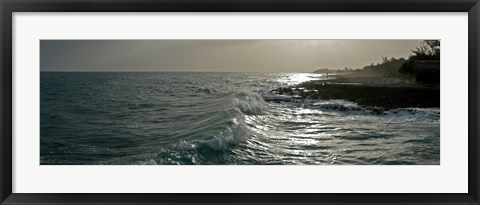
{"x": 160, "y": 120}
{"x": 249, "y": 103}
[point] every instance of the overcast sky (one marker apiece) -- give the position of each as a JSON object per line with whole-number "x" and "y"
{"x": 217, "y": 55}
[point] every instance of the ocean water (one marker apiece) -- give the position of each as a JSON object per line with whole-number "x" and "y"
{"x": 220, "y": 119}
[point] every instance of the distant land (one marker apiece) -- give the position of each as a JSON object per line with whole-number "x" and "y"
{"x": 392, "y": 83}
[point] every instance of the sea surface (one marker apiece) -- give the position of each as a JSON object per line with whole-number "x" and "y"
{"x": 220, "y": 119}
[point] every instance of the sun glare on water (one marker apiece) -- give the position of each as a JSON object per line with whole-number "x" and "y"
{"x": 297, "y": 78}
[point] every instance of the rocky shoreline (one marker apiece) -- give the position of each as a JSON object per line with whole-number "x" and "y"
{"x": 386, "y": 96}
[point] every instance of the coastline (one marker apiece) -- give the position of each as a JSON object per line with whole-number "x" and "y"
{"x": 366, "y": 92}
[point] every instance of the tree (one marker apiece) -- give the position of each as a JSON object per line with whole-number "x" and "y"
{"x": 428, "y": 50}
{"x": 384, "y": 59}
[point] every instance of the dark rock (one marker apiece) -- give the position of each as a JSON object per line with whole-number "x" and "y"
{"x": 380, "y": 96}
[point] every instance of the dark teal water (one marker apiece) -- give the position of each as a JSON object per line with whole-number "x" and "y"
{"x": 219, "y": 118}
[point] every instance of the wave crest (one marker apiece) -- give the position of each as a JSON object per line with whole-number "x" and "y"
{"x": 249, "y": 103}
{"x": 223, "y": 138}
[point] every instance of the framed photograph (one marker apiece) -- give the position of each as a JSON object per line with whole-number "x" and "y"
{"x": 240, "y": 102}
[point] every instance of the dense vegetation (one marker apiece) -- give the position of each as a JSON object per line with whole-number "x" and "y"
{"x": 388, "y": 67}
{"x": 423, "y": 65}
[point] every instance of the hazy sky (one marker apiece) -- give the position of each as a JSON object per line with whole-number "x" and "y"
{"x": 217, "y": 55}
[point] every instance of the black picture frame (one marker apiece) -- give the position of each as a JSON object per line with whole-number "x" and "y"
{"x": 7, "y": 7}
